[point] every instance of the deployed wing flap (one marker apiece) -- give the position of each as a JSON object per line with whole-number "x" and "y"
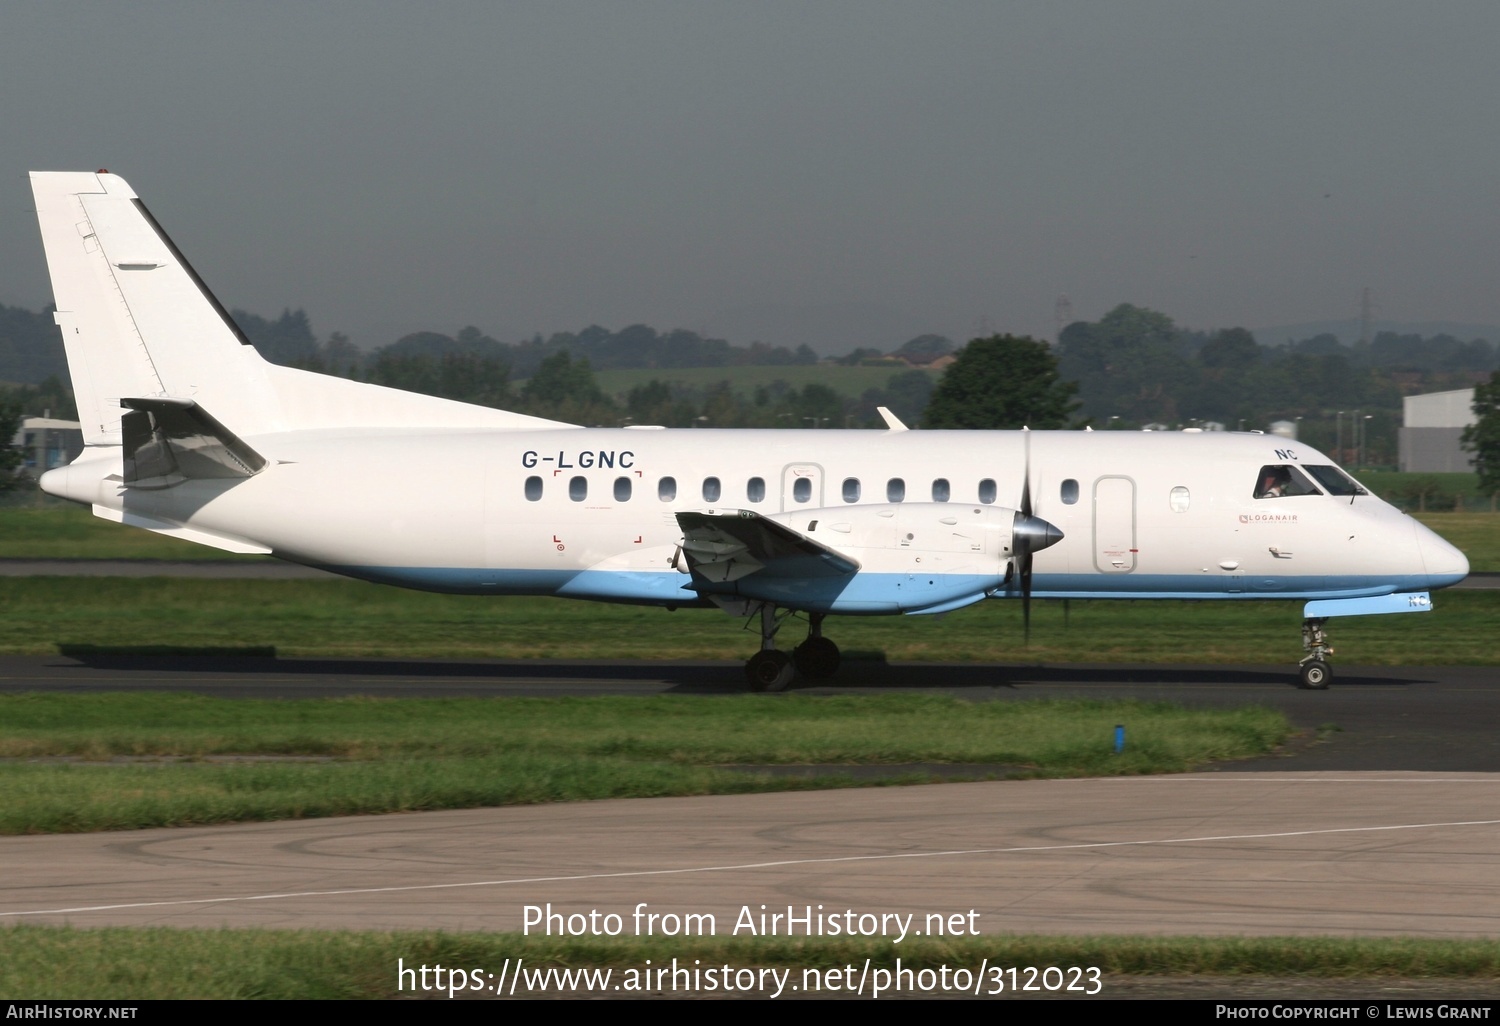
{"x": 723, "y": 547}
{"x": 171, "y": 440}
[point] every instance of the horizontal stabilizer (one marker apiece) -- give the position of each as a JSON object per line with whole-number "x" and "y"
{"x": 193, "y": 534}
{"x": 723, "y": 547}
{"x": 171, "y": 440}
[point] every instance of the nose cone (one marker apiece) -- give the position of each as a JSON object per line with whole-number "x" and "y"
{"x": 1445, "y": 564}
{"x": 1033, "y": 534}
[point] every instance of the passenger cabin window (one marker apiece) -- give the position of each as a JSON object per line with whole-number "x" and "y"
{"x": 1334, "y": 480}
{"x": 533, "y": 488}
{"x": 1180, "y": 499}
{"x": 1276, "y": 482}
{"x": 940, "y": 490}
{"x": 851, "y": 489}
{"x": 802, "y": 489}
{"x": 622, "y": 489}
{"x": 666, "y": 489}
{"x": 755, "y": 489}
{"x": 711, "y": 489}
{"x": 1069, "y": 492}
{"x": 987, "y": 491}
{"x": 578, "y": 489}
{"x": 895, "y": 490}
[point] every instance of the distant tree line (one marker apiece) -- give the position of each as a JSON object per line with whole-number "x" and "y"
{"x": 1133, "y": 367}
{"x": 1482, "y": 438}
{"x": 11, "y": 457}
{"x": 554, "y": 377}
{"x": 30, "y": 346}
{"x": 289, "y": 340}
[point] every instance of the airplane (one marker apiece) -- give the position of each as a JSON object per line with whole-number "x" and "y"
{"x": 190, "y": 433}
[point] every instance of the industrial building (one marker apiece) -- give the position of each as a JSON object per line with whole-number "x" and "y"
{"x": 48, "y": 442}
{"x": 1432, "y": 430}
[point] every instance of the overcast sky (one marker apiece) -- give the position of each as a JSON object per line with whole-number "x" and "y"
{"x": 778, "y": 168}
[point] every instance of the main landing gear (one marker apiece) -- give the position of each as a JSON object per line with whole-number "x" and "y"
{"x": 817, "y": 658}
{"x": 1315, "y": 673}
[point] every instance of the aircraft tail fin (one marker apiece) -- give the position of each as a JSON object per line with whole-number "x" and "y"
{"x": 138, "y": 322}
{"x": 136, "y": 319}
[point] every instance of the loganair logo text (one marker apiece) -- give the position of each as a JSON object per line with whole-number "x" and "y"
{"x": 1262, "y": 518}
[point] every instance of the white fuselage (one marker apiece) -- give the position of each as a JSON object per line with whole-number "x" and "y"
{"x": 591, "y": 513}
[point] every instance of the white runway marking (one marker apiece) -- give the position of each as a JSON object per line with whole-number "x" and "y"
{"x": 1428, "y": 779}
{"x": 757, "y": 865}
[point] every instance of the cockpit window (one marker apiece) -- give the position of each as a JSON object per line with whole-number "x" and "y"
{"x": 1275, "y": 482}
{"x": 1335, "y": 481}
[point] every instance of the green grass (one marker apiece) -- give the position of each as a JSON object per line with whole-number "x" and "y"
{"x": 162, "y": 963}
{"x": 387, "y": 755}
{"x": 1477, "y": 535}
{"x": 45, "y": 615}
{"x": 66, "y": 531}
{"x": 847, "y": 381}
{"x": 1443, "y": 492}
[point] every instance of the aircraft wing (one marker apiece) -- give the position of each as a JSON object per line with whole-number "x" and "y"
{"x": 722, "y": 547}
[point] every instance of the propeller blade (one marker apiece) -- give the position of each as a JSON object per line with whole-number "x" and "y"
{"x": 1026, "y": 600}
{"x": 1026, "y": 475}
{"x": 1026, "y": 518}
{"x": 1030, "y": 534}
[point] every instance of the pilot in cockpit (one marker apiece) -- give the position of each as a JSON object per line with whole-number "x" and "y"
{"x": 1273, "y": 482}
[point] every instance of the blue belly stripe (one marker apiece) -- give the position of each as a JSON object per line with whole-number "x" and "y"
{"x": 875, "y": 594}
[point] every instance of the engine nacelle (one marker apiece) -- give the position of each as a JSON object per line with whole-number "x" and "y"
{"x": 913, "y": 557}
{"x": 903, "y": 535}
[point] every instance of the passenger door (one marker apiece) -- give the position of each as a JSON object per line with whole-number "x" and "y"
{"x": 1114, "y": 525}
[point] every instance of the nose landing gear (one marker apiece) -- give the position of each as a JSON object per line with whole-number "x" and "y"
{"x": 1315, "y": 671}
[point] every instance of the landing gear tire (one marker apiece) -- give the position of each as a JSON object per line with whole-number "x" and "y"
{"x": 1316, "y": 675}
{"x": 817, "y": 658}
{"x": 769, "y": 670}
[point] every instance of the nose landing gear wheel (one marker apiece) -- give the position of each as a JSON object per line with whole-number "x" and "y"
{"x": 769, "y": 670}
{"x": 1315, "y": 675}
{"x": 1315, "y": 672}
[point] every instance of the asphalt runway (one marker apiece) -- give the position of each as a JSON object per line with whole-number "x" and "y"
{"x": 1383, "y": 818}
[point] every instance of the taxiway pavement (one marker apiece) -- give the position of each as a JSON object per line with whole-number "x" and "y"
{"x": 1284, "y": 853}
